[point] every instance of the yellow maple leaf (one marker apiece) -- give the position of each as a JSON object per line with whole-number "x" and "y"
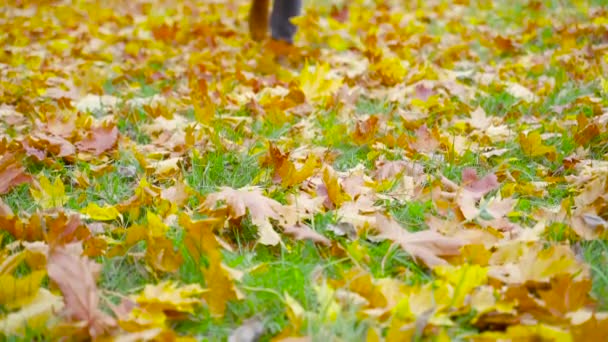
{"x": 464, "y": 279}
{"x": 291, "y": 176}
{"x": 169, "y": 296}
{"x": 162, "y": 255}
{"x": 390, "y": 70}
{"x": 334, "y": 191}
{"x": 532, "y": 145}
{"x": 142, "y": 319}
{"x": 105, "y": 213}
{"x": 33, "y": 315}
{"x": 204, "y": 113}
{"x": 484, "y": 299}
{"x": 156, "y": 226}
{"x": 538, "y": 332}
{"x": 49, "y": 195}
{"x": 315, "y": 83}
{"x": 14, "y": 290}
{"x": 200, "y": 239}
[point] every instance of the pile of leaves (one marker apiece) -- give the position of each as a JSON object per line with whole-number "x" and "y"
{"x": 407, "y": 170}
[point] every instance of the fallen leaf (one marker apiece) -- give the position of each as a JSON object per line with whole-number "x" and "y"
{"x": 49, "y": 195}
{"x": 34, "y": 315}
{"x": 169, "y": 297}
{"x": 533, "y": 146}
{"x": 81, "y": 298}
{"x": 304, "y": 232}
{"x": 250, "y": 200}
{"x": 425, "y": 246}
{"x": 15, "y": 290}
{"x": 12, "y": 173}
{"x": 99, "y": 139}
{"x": 105, "y": 213}
{"x": 250, "y": 331}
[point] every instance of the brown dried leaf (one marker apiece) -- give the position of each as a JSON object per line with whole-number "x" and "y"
{"x": 250, "y": 199}
{"x": 426, "y": 246}
{"x": 99, "y": 139}
{"x": 304, "y": 232}
{"x": 76, "y": 277}
{"x": 12, "y": 173}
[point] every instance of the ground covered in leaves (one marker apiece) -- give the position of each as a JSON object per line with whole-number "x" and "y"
{"x": 431, "y": 170}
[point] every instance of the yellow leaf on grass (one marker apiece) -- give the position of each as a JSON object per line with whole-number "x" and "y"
{"x": 390, "y": 70}
{"x": 105, "y": 213}
{"x": 315, "y": 81}
{"x": 49, "y": 195}
{"x": 169, "y": 296}
{"x": 334, "y": 191}
{"x": 201, "y": 240}
{"x": 34, "y": 315}
{"x": 220, "y": 284}
{"x": 483, "y": 300}
{"x": 327, "y": 300}
{"x": 162, "y": 255}
{"x": 16, "y": 289}
{"x": 532, "y": 145}
{"x": 156, "y": 226}
{"x": 204, "y": 113}
{"x": 142, "y": 318}
{"x": 464, "y": 279}
{"x": 291, "y": 176}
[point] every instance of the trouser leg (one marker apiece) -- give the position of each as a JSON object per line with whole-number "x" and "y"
{"x": 282, "y": 11}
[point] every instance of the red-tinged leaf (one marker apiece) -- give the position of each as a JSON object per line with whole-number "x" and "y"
{"x": 12, "y": 173}
{"x": 76, "y": 277}
{"x": 393, "y": 168}
{"x": 165, "y": 32}
{"x": 51, "y": 144}
{"x": 471, "y": 181}
{"x": 177, "y": 194}
{"x": 304, "y": 232}
{"x": 425, "y": 141}
{"x": 99, "y": 139}
{"x": 423, "y": 91}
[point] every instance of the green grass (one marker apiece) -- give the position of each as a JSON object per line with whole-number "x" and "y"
{"x": 215, "y": 169}
{"x": 595, "y": 253}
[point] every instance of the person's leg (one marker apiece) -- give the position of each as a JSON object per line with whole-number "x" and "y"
{"x": 258, "y": 19}
{"x": 282, "y": 11}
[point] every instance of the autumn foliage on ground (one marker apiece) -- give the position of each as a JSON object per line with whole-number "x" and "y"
{"x": 408, "y": 170}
